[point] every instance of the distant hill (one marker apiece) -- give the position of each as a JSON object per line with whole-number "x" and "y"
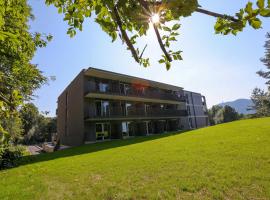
{"x": 240, "y": 105}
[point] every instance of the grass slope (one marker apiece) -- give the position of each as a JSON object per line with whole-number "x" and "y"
{"x": 229, "y": 161}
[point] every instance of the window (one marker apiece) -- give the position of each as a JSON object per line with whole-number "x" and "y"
{"x": 102, "y": 131}
{"x": 177, "y": 93}
{"x": 127, "y": 89}
{"x": 125, "y": 131}
{"x": 105, "y": 108}
{"x": 102, "y": 108}
{"x": 103, "y": 87}
{"x": 143, "y": 89}
{"x": 147, "y": 108}
{"x": 128, "y": 108}
{"x": 98, "y": 127}
{"x": 122, "y": 88}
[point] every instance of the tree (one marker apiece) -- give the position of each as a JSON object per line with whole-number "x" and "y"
{"x": 219, "y": 114}
{"x": 213, "y": 114}
{"x": 29, "y": 115}
{"x": 261, "y": 102}
{"x": 266, "y": 61}
{"x": 18, "y": 77}
{"x": 259, "y": 97}
{"x": 36, "y": 127}
{"x": 130, "y": 19}
{"x": 229, "y": 114}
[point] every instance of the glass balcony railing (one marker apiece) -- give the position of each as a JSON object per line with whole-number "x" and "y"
{"x": 148, "y": 93}
{"x": 118, "y": 113}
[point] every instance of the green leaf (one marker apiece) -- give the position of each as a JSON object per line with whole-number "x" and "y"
{"x": 49, "y": 38}
{"x": 265, "y": 12}
{"x": 179, "y": 57}
{"x": 165, "y": 28}
{"x": 176, "y": 27}
{"x": 260, "y": 4}
{"x": 114, "y": 36}
{"x": 256, "y": 23}
{"x": 98, "y": 9}
{"x": 161, "y": 61}
{"x": 168, "y": 66}
{"x": 172, "y": 39}
{"x": 248, "y": 8}
{"x": 60, "y": 10}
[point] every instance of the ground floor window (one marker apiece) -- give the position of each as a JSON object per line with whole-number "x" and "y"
{"x": 128, "y": 129}
{"x": 102, "y": 131}
{"x": 125, "y": 131}
{"x": 149, "y": 128}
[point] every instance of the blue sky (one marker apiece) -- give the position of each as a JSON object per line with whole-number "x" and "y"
{"x": 223, "y": 68}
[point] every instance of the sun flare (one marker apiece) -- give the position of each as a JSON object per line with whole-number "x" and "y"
{"x": 155, "y": 18}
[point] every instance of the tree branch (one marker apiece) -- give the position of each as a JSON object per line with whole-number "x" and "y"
{"x": 124, "y": 35}
{"x": 161, "y": 44}
{"x": 213, "y": 14}
{"x": 4, "y": 99}
{"x": 145, "y": 5}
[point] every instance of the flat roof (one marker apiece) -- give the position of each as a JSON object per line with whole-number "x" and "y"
{"x": 100, "y": 73}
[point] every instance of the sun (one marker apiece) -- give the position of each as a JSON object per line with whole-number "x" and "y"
{"x": 155, "y": 18}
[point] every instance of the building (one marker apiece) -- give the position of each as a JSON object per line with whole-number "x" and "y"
{"x": 102, "y": 105}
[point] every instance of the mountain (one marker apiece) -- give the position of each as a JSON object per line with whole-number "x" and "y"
{"x": 240, "y": 105}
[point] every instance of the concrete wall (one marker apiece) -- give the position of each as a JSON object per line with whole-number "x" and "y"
{"x": 184, "y": 124}
{"x": 61, "y": 116}
{"x": 197, "y": 117}
{"x": 89, "y": 132}
{"x": 201, "y": 121}
{"x": 71, "y": 113}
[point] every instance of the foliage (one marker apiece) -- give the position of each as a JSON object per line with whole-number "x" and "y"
{"x": 29, "y": 114}
{"x": 213, "y": 113}
{"x": 261, "y": 102}
{"x": 229, "y": 114}
{"x": 266, "y": 61}
{"x": 10, "y": 155}
{"x": 218, "y": 114}
{"x": 37, "y": 128}
{"x": 18, "y": 77}
{"x": 131, "y": 19}
{"x": 259, "y": 97}
{"x": 227, "y": 161}
{"x": 44, "y": 129}
{"x": 13, "y": 126}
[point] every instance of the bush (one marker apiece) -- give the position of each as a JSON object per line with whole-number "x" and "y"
{"x": 10, "y": 155}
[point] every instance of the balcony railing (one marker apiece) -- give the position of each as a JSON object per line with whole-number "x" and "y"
{"x": 142, "y": 94}
{"x": 114, "y": 113}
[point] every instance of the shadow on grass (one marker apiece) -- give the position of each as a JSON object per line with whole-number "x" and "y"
{"x": 90, "y": 148}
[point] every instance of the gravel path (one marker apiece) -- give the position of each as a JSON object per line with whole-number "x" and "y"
{"x": 34, "y": 149}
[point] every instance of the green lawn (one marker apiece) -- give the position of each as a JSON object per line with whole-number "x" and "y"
{"x": 229, "y": 161}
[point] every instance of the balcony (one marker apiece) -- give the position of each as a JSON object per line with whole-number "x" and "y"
{"x": 147, "y": 95}
{"x": 115, "y": 114}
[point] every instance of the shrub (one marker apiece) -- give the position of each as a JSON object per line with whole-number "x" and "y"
{"x": 10, "y": 155}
